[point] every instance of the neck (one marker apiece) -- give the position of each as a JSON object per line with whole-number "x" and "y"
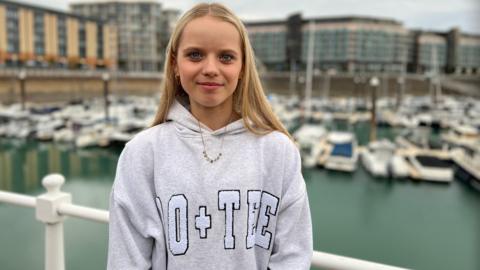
{"x": 214, "y": 118}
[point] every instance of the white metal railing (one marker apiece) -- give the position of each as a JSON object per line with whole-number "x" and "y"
{"x": 329, "y": 261}
{"x": 54, "y": 206}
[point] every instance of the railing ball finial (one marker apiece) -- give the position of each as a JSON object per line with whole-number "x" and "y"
{"x": 53, "y": 183}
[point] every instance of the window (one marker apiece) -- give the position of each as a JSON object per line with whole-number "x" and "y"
{"x": 39, "y": 33}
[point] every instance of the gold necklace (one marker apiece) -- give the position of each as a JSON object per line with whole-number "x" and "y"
{"x": 205, "y": 154}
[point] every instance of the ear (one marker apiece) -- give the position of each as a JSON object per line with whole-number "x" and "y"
{"x": 175, "y": 67}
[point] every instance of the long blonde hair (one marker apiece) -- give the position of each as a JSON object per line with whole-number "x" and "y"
{"x": 248, "y": 99}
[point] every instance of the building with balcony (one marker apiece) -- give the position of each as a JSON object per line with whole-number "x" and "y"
{"x": 143, "y": 29}
{"x": 33, "y": 36}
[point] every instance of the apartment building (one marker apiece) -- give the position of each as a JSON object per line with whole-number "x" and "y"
{"x": 143, "y": 29}
{"x": 362, "y": 44}
{"x": 33, "y": 36}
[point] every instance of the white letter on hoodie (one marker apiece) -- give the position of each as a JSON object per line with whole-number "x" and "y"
{"x": 229, "y": 200}
{"x": 268, "y": 206}
{"x": 178, "y": 224}
{"x": 253, "y": 201}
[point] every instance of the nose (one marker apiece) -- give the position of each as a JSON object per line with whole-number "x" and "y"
{"x": 210, "y": 68}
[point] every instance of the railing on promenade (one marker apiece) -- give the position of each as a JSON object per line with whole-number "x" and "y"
{"x": 52, "y": 207}
{"x": 69, "y": 73}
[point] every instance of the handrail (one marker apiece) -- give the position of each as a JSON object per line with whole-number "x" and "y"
{"x": 53, "y": 206}
{"x": 17, "y": 199}
{"x": 83, "y": 212}
{"x": 325, "y": 260}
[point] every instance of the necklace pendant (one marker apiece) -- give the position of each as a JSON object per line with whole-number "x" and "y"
{"x": 205, "y": 154}
{"x": 211, "y": 160}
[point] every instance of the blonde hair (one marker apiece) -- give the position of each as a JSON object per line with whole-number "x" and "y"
{"x": 248, "y": 99}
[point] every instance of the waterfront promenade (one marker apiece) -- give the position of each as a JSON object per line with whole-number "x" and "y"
{"x": 51, "y": 85}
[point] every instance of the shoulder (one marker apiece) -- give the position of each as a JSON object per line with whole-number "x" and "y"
{"x": 147, "y": 137}
{"x": 144, "y": 142}
{"x": 277, "y": 140}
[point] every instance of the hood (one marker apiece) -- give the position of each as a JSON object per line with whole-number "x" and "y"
{"x": 187, "y": 125}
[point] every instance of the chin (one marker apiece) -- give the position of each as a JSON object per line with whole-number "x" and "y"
{"x": 211, "y": 102}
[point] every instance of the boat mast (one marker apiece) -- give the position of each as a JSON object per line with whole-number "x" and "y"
{"x": 374, "y": 82}
{"x": 308, "y": 84}
{"x": 435, "y": 89}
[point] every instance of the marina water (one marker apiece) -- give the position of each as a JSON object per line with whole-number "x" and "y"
{"x": 419, "y": 225}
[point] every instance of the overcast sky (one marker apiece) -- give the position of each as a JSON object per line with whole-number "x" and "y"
{"x": 440, "y": 15}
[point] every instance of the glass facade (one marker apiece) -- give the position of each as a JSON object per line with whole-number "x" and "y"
{"x": 12, "y": 30}
{"x": 62, "y": 36}
{"x": 469, "y": 56}
{"x": 269, "y": 47}
{"x": 432, "y": 56}
{"x": 100, "y": 42}
{"x": 82, "y": 39}
{"x": 329, "y": 46}
{"x": 139, "y": 31}
{"x": 355, "y": 44}
{"x": 39, "y": 32}
{"x": 356, "y": 50}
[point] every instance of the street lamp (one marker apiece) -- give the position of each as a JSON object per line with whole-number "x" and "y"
{"x": 22, "y": 75}
{"x": 374, "y": 82}
{"x": 106, "y": 78}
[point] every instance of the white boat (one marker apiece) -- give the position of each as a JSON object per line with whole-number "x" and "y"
{"x": 289, "y": 118}
{"x": 461, "y": 135}
{"x": 467, "y": 160}
{"x": 64, "y": 135}
{"x": 309, "y": 138}
{"x": 380, "y": 160}
{"x": 344, "y": 152}
{"x": 19, "y": 129}
{"x": 430, "y": 168}
{"x": 96, "y": 135}
{"x": 46, "y": 128}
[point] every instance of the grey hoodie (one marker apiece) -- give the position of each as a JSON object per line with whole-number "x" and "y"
{"x": 171, "y": 209}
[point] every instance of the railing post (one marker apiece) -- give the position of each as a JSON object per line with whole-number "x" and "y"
{"x": 46, "y": 212}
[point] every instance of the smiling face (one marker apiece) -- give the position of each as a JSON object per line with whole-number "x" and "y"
{"x": 209, "y": 63}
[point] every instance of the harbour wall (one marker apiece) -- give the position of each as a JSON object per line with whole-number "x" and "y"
{"x": 53, "y": 86}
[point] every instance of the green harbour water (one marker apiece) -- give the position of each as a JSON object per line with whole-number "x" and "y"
{"x": 418, "y": 225}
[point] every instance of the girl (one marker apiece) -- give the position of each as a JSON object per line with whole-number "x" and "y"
{"x": 216, "y": 182}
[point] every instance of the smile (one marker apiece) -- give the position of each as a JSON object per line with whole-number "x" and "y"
{"x": 209, "y": 86}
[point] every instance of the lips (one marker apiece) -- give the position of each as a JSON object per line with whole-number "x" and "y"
{"x": 209, "y": 86}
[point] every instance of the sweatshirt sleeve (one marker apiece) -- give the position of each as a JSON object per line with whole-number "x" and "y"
{"x": 293, "y": 245}
{"x": 136, "y": 238}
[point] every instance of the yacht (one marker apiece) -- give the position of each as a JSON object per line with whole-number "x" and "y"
{"x": 427, "y": 159}
{"x": 344, "y": 153}
{"x": 430, "y": 167}
{"x": 310, "y": 139}
{"x": 461, "y": 135}
{"x": 380, "y": 159}
{"x": 467, "y": 161}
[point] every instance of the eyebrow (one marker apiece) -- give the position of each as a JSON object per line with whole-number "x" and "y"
{"x": 193, "y": 48}
{"x": 230, "y": 51}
